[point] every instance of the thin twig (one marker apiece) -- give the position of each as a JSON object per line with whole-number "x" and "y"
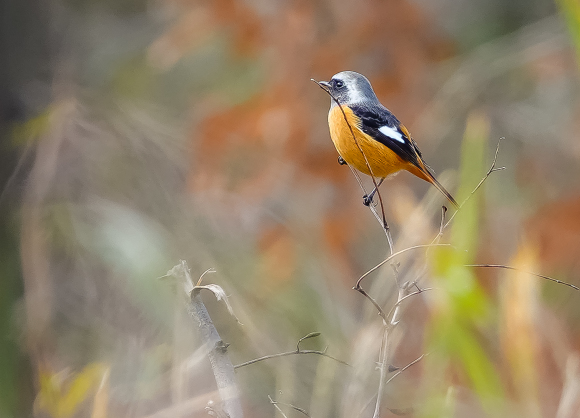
{"x": 400, "y": 301}
{"x": 492, "y": 169}
{"x": 395, "y": 313}
{"x": 209, "y": 270}
{"x": 374, "y": 302}
{"x": 275, "y": 403}
{"x": 307, "y": 336}
{"x": 291, "y": 353}
{"x": 441, "y": 226}
{"x": 389, "y": 258}
{"x": 383, "y": 370}
{"x": 389, "y": 381}
{"x": 417, "y": 360}
{"x": 541, "y": 276}
{"x": 276, "y": 406}
{"x": 357, "y": 177}
{"x": 373, "y": 210}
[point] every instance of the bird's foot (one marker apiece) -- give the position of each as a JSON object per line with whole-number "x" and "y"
{"x": 341, "y": 160}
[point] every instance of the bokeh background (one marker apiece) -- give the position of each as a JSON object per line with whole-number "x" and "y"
{"x": 138, "y": 133}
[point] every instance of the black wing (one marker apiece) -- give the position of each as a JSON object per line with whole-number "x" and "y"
{"x": 374, "y": 117}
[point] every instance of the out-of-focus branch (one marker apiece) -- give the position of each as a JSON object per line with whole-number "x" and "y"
{"x": 417, "y": 360}
{"x": 568, "y": 406}
{"x": 383, "y": 370}
{"x": 492, "y": 169}
{"x": 388, "y": 324}
{"x": 386, "y": 260}
{"x": 541, "y": 276}
{"x": 400, "y": 300}
{"x": 396, "y": 411}
{"x": 222, "y": 367}
{"x": 276, "y": 403}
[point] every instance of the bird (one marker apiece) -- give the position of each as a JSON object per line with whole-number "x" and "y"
{"x": 387, "y": 145}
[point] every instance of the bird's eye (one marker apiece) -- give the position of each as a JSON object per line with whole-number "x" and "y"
{"x": 339, "y": 84}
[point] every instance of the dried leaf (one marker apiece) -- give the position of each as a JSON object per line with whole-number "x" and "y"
{"x": 311, "y": 335}
{"x": 220, "y": 294}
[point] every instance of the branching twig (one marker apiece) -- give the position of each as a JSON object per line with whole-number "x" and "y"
{"x": 492, "y": 169}
{"x": 541, "y": 276}
{"x": 389, "y": 258}
{"x": 363, "y": 292}
{"x": 407, "y": 296}
{"x": 441, "y": 226}
{"x": 291, "y": 353}
{"x": 395, "y": 311}
{"x": 276, "y": 403}
{"x": 417, "y": 360}
{"x": 388, "y": 325}
{"x": 374, "y": 302}
{"x": 395, "y": 411}
{"x": 277, "y": 407}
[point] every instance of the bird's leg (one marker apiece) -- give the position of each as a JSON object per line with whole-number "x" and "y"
{"x": 341, "y": 160}
{"x": 368, "y": 198}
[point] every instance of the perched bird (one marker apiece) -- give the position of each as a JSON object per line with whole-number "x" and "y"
{"x": 385, "y": 142}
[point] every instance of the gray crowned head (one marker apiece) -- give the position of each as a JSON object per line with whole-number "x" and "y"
{"x": 349, "y": 87}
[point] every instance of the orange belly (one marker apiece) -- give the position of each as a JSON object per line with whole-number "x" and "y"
{"x": 380, "y": 158}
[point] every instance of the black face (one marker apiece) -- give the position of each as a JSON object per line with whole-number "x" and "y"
{"x": 337, "y": 84}
{"x": 338, "y": 88}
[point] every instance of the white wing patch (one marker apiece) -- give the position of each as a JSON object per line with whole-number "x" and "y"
{"x": 392, "y": 133}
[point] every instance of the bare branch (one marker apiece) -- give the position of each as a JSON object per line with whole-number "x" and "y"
{"x": 417, "y": 360}
{"x": 291, "y": 353}
{"x": 277, "y": 407}
{"x": 393, "y": 410}
{"x": 216, "y": 349}
{"x": 383, "y": 370}
{"x": 307, "y": 336}
{"x": 276, "y": 403}
{"x": 389, "y": 258}
{"x": 222, "y": 367}
{"x": 441, "y": 226}
{"x": 541, "y": 276}
{"x": 400, "y": 301}
{"x": 374, "y": 302}
{"x": 492, "y": 169}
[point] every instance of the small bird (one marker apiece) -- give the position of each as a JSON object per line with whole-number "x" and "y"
{"x": 384, "y": 140}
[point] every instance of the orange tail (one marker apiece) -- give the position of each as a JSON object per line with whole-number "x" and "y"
{"x": 425, "y": 174}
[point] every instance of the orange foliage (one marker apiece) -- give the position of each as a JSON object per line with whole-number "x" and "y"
{"x": 555, "y": 231}
{"x": 265, "y": 143}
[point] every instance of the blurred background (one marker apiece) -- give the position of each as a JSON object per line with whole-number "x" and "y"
{"x": 138, "y": 133}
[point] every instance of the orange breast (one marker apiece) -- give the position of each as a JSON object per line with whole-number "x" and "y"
{"x": 380, "y": 158}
